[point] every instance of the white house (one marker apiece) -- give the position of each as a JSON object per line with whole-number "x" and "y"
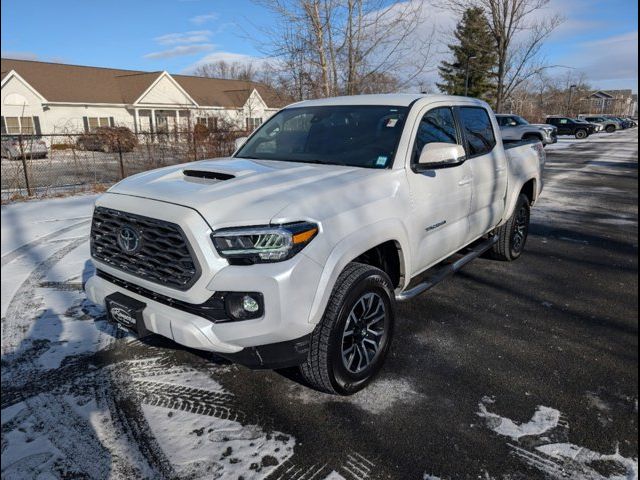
{"x": 43, "y": 98}
{"x": 615, "y": 102}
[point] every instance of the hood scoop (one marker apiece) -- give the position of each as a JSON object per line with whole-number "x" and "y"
{"x": 207, "y": 176}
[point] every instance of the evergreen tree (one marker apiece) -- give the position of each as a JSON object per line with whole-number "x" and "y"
{"x": 474, "y": 49}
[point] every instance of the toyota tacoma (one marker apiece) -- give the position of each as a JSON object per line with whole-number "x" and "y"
{"x": 295, "y": 250}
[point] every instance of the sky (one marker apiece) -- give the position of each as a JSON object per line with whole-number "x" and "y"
{"x": 598, "y": 38}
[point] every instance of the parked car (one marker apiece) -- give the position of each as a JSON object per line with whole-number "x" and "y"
{"x": 623, "y": 122}
{"x": 597, "y": 128}
{"x": 516, "y": 128}
{"x": 633, "y": 122}
{"x": 609, "y": 125}
{"x": 570, "y": 126}
{"x": 295, "y": 250}
{"x": 23, "y": 146}
{"x": 108, "y": 139}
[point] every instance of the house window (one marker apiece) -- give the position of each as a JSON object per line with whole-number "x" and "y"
{"x": 19, "y": 125}
{"x": 95, "y": 122}
{"x": 253, "y": 123}
{"x": 210, "y": 122}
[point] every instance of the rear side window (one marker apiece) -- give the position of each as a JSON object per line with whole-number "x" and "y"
{"x": 479, "y": 132}
{"x": 437, "y": 125}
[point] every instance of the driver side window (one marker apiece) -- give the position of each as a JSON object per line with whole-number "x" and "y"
{"x": 437, "y": 125}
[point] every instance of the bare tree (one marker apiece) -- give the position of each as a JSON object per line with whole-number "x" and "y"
{"x": 519, "y": 29}
{"x": 230, "y": 70}
{"x": 542, "y": 95}
{"x": 330, "y": 47}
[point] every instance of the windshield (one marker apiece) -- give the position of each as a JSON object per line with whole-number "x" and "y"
{"x": 511, "y": 121}
{"x": 358, "y": 136}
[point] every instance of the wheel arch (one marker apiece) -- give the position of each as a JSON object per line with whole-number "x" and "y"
{"x": 530, "y": 188}
{"x": 536, "y": 135}
{"x": 374, "y": 245}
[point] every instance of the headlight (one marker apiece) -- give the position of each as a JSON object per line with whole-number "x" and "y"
{"x": 271, "y": 243}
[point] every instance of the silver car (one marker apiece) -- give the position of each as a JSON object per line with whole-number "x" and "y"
{"x": 18, "y": 147}
{"x": 514, "y": 128}
{"x": 609, "y": 125}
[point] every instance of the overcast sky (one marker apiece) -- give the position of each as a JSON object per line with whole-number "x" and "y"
{"x": 599, "y": 37}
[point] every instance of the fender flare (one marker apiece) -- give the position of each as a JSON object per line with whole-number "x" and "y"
{"x": 511, "y": 200}
{"x": 351, "y": 247}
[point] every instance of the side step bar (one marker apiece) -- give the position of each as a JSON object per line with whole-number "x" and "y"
{"x": 447, "y": 270}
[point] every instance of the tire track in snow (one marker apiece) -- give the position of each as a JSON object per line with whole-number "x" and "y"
{"x": 23, "y": 304}
{"x": 556, "y": 459}
{"x": 22, "y": 250}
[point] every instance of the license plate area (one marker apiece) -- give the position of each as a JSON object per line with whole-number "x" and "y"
{"x": 126, "y": 311}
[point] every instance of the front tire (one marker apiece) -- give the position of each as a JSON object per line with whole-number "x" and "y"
{"x": 351, "y": 342}
{"x": 610, "y": 129}
{"x": 512, "y": 235}
{"x": 581, "y": 134}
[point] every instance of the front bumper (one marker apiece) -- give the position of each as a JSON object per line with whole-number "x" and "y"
{"x": 549, "y": 138}
{"x": 288, "y": 289}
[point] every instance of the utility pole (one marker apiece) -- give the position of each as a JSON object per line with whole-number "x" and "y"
{"x": 466, "y": 74}
{"x": 570, "y": 98}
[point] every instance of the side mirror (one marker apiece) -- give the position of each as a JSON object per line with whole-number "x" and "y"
{"x": 240, "y": 142}
{"x": 440, "y": 155}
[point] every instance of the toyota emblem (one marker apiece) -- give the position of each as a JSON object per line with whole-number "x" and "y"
{"x": 128, "y": 240}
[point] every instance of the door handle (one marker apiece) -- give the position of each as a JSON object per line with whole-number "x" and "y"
{"x": 465, "y": 181}
{"x": 501, "y": 169}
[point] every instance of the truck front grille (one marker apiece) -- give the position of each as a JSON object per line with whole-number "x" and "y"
{"x": 151, "y": 249}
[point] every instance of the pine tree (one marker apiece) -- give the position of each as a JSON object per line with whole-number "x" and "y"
{"x": 474, "y": 49}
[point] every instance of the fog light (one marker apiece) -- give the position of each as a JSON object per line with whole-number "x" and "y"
{"x": 243, "y": 305}
{"x": 250, "y": 304}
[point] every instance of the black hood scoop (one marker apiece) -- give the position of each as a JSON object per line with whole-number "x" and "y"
{"x": 207, "y": 175}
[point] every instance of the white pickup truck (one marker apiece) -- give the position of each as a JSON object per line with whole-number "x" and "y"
{"x": 295, "y": 250}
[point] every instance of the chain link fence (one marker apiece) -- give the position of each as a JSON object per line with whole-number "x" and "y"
{"x": 62, "y": 164}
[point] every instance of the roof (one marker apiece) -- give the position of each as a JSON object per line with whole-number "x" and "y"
{"x": 386, "y": 99}
{"x": 611, "y": 93}
{"x": 59, "y": 82}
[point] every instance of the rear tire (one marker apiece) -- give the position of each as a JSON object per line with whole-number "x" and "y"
{"x": 349, "y": 345}
{"x": 512, "y": 235}
{"x": 581, "y": 134}
{"x": 610, "y": 129}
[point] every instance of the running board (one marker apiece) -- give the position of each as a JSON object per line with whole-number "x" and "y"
{"x": 447, "y": 270}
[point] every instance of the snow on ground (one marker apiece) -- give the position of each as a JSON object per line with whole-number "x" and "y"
{"x": 543, "y": 420}
{"x": 568, "y": 141}
{"x": 378, "y": 397}
{"x": 558, "y": 460}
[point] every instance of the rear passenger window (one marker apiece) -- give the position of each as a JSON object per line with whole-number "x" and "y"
{"x": 437, "y": 125}
{"x": 477, "y": 126}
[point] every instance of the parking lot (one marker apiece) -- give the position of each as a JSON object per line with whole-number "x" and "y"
{"x": 506, "y": 371}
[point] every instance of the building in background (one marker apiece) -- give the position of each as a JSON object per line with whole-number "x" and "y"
{"x": 41, "y": 97}
{"x": 611, "y": 102}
